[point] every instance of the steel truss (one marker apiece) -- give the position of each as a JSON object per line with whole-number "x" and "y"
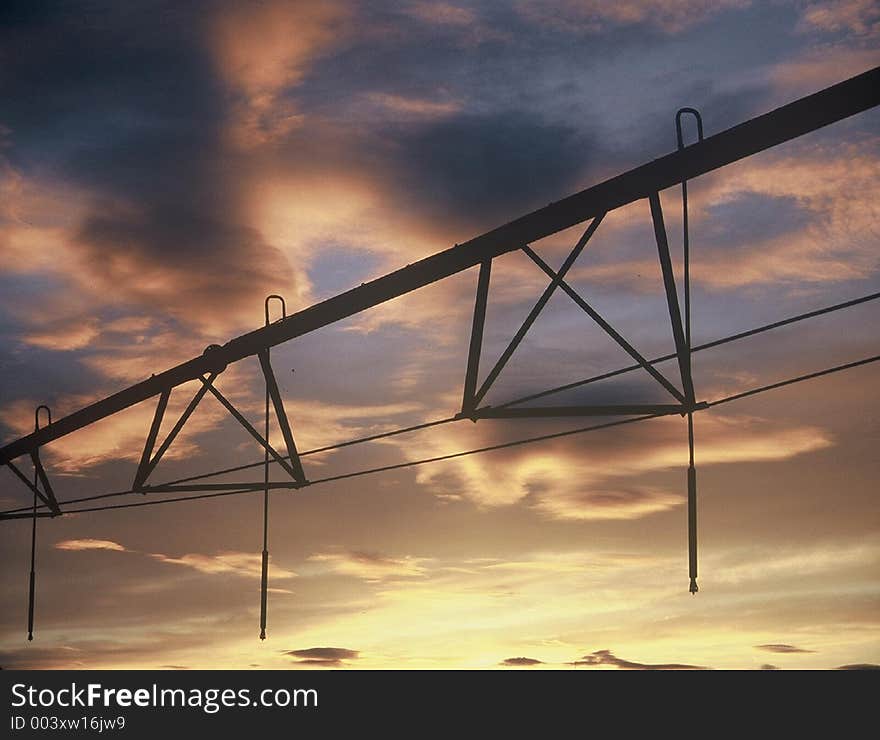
{"x": 646, "y": 182}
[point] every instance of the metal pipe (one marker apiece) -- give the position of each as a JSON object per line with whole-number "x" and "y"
{"x": 788, "y": 122}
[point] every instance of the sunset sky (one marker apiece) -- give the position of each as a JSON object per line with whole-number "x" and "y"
{"x": 164, "y": 166}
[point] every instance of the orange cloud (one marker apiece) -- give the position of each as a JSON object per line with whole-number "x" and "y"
{"x": 225, "y": 563}
{"x": 442, "y": 13}
{"x": 569, "y": 479}
{"x": 263, "y": 49}
{"x": 832, "y": 185}
{"x": 409, "y": 107}
{"x": 370, "y": 566}
{"x": 858, "y": 17}
{"x": 593, "y": 16}
{"x": 118, "y": 437}
{"x": 821, "y": 67}
{"x": 89, "y": 544}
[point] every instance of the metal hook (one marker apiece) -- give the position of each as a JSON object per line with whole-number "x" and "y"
{"x": 678, "y": 134}
{"x": 37, "y": 416}
{"x": 283, "y": 306}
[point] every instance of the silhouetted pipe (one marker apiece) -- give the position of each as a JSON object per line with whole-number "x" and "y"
{"x": 264, "y": 589}
{"x": 795, "y": 119}
{"x": 33, "y": 574}
{"x": 692, "y": 510}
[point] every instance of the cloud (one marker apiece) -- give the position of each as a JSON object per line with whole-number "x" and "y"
{"x": 119, "y": 437}
{"x": 323, "y": 656}
{"x": 202, "y": 267}
{"x": 777, "y": 647}
{"x": 769, "y": 667}
{"x": 741, "y": 565}
{"x": 595, "y": 16}
{"x": 824, "y": 189}
{"x": 822, "y": 67}
{"x": 89, "y": 544}
{"x": 799, "y": 214}
{"x": 63, "y": 334}
{"x": 476, "y": 169}
{"x": 606, "y": 657}
{"x": 859, "y": 667}
{"x": 370, "y": 566}
{"x": 221, "y": 563}
{"x": 442, "y": 13}
{"x": 592, "y": 505}
{"x": 264, "y": 50}
{"x": 231, "y": 563}
{"x": 566, "y": 479}
{"x": 859, "y": 18}
{"x": 400, "y": 106}
{"x": 521, "y": 662}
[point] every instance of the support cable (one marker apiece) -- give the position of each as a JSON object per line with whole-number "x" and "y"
{"x": 504, "y": 445}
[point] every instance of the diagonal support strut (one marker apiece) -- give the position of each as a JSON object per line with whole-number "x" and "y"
{"x": 606, "y": 327}
{"x": 468, "y": 402}
{"x": 250, "y": 429}
{"x": 48, "y": 498}
{"x": 681, "y": 348}
{"x": 536, "y": 309}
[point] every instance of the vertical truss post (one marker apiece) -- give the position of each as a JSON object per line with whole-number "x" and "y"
{"x": 671, "y": 296}
{"x": 38, "y": 468}
{"x": 473, "y": 363}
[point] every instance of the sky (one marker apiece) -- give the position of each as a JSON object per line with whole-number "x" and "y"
{"x": 164, "y": 166}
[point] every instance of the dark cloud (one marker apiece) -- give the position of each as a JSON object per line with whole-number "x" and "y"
{"x": 780, "y": 647}
{"x": 859, "y": 667}
{"x": 480, "y": 169}
{"x": 328, "y": 657}
{"x": 125, "y": 105}
{"x": 735, "y": 222}
{"x": 606, "y": 657}
{"x": 521, "y": 661}
{"x": 207, "y": 262}
{"x": 769, "y": 667}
